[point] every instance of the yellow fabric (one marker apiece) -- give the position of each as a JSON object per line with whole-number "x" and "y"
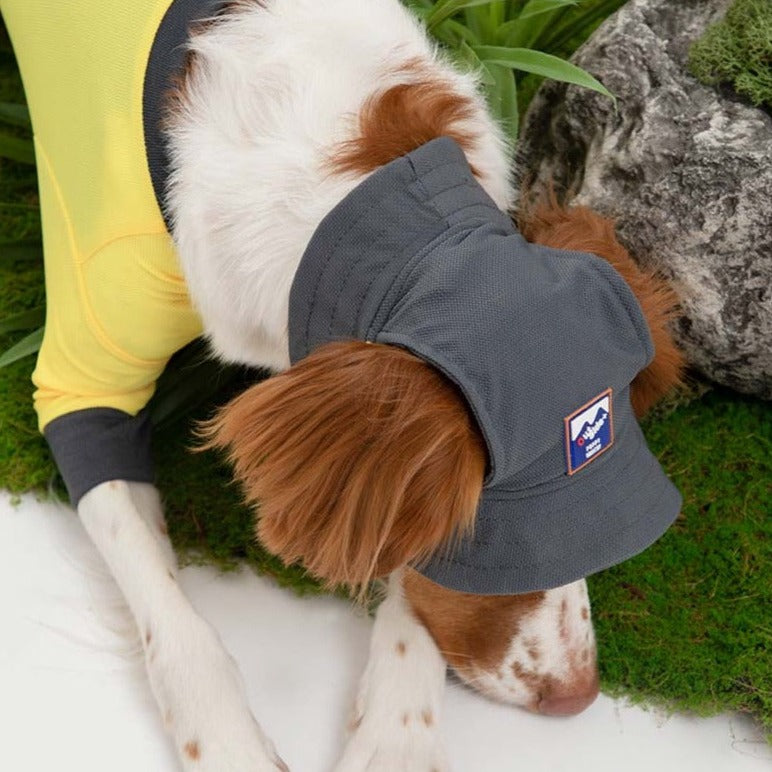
{"x": 118, "y": 307}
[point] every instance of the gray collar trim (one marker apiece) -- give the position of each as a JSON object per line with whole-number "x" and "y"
{"x": 165, "y": 62}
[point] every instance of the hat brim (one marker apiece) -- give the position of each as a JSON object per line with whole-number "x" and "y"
{"x": 554, "y": 534}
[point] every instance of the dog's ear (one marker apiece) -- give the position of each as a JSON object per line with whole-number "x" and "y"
{"x": 361, "y": 456}
{"x": 581, "y": 229}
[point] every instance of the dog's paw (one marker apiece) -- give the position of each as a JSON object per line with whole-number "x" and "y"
{"x": 203, "y": 702}
{"x": 409, "y": 742}
{"x": 242, "y": 748}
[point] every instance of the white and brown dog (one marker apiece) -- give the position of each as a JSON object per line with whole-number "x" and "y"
{"x": 281, "y": 110}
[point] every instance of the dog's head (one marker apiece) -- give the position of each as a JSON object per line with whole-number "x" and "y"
{"x": 363, "y": 458}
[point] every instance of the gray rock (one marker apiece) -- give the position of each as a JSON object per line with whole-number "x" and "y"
{"x": 686, "y": 172}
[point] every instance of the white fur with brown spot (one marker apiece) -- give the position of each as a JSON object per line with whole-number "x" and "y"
{"x": 550, "y": 664}
{"x": 395, "y": 725}
{"x": 197, "y": 685}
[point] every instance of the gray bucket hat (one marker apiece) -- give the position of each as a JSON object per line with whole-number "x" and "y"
{"x": 542, "y": 343}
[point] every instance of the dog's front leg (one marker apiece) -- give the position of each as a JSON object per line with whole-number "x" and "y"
{"x": 195, "y": 681}
{"x": 397, "y": 713}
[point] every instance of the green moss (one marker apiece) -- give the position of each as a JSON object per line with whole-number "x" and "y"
{"x": 24, "y": 461}
{"x": 687, "y": 622}
{"x": 738, "y": 51}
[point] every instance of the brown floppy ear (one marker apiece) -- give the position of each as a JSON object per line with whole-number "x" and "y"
{"x": 581, "y": 229}
{"x": 361, "y": 456}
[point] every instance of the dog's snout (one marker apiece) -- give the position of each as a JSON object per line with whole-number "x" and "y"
{"x": 568, "y": 700}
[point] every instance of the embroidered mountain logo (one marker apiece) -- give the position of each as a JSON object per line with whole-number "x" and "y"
{"x": 589, "y": 431}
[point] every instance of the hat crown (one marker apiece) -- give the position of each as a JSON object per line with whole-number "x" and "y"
{"x": 420, "y": 257}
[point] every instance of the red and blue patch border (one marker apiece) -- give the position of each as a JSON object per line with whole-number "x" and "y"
{"x": 567, "y": 425}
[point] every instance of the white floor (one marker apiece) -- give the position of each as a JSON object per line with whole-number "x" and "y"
{"x": 73, "y": 697}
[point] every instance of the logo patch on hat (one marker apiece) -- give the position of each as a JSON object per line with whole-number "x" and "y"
{"x": 589, "y": 431}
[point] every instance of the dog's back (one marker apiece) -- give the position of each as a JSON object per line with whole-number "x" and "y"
{"x": 272, "y": 94}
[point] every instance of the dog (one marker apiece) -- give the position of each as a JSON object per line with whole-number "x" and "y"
{"x": 241, "y": 129}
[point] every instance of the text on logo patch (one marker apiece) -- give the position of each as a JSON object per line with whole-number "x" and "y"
{"x": 589, "y": 431}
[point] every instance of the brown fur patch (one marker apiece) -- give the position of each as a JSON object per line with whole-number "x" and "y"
{"x": 563, "y": 620}
{"x": 192, "y": 750}
{"x": 428, "y": 717}
{"x": 349, "y": 453}
{"x": 401, "y": 648}
{"x": 528, "y": 677}
{"x": 405, "y": 719}
{"x": 402, "y": 118}
{"x": 472, "y": 631}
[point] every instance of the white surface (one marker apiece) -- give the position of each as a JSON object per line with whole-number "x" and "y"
{"x": 73, "y": 694}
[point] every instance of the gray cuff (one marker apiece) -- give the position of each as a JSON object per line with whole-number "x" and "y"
{"x": 99, "y": 444}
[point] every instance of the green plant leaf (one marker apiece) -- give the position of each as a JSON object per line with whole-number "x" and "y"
{"x": 452, "y": 33}
{"x": 25, "y": 320}
{"x": 13, "y": 205}
{"x": 420, "y": 12}
{"x": 15, "y": 114}
{"x": 506, "y": 95}
{"x": 526, "y": 29}
{"x": 446, "y": 8}
{"x": 541, "y": 64}
{"x": 465, "y": 55}
{"x": 496, "y": 15}
{"x": 537, "y": 7}
{"x": 24, "y": 348}
{"x": 577, "y": 24}
{"x": 17, "y": 149}
{"x": 23, "y": 249}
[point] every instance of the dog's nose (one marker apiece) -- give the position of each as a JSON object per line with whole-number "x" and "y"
{"x": 569, "y": 701}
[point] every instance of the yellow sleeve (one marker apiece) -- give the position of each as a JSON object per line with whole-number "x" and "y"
{"x": 114, "y": 317}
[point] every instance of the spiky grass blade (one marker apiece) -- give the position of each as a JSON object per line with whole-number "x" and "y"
{"x": 22, "y": 249}
{"x": 17, "y": 149}
{"x": 503, "y": 98}
{"x": 537, "y": 7}
{"x": 446, "y": 8}
{"x": 466, "y": 56}
{"x": 15, "y": 115}
{"x": 28, "y": 345}
{"x": 25, "y": 320}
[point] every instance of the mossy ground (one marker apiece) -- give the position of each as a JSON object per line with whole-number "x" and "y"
{"x": 688, "y": 621}
{"x": 686, "y": 624}
{"x": 737, "y": 52}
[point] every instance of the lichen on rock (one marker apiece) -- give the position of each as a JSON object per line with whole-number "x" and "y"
{"x": 738, "y": 50}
